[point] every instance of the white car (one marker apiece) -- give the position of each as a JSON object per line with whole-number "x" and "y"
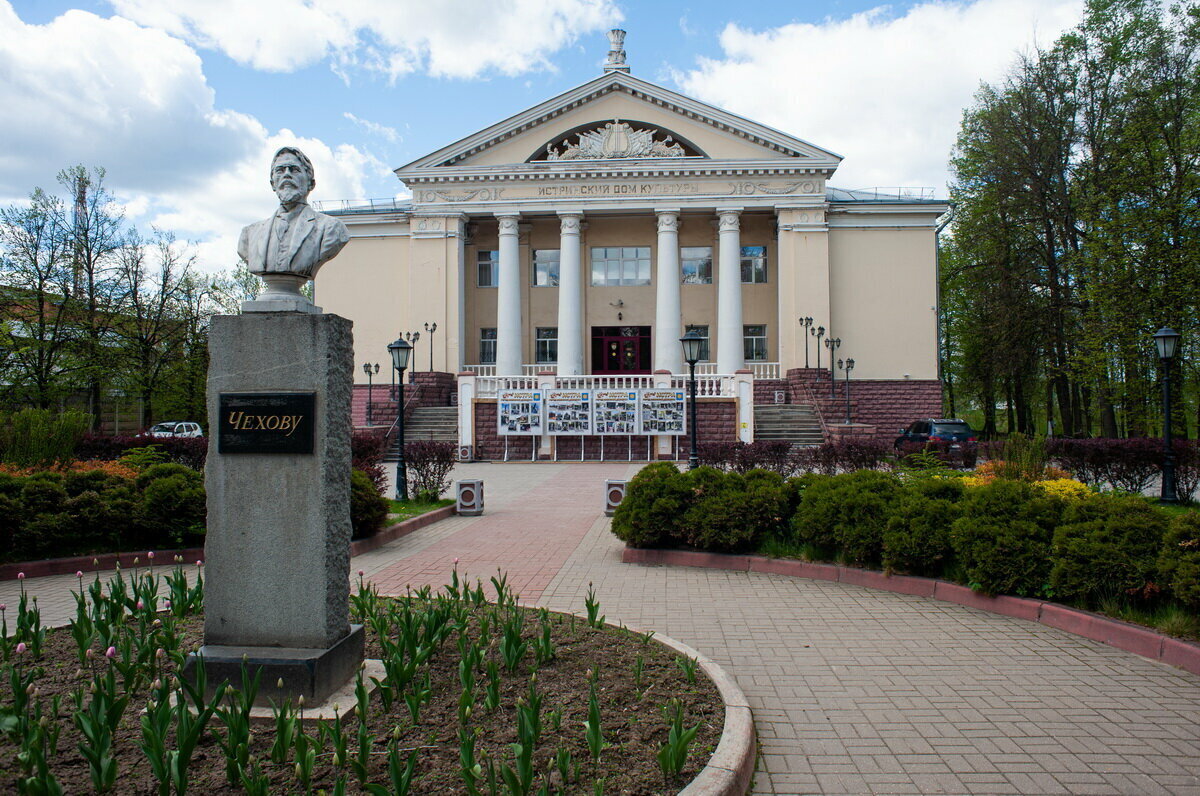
{"x": 174, "y": 428}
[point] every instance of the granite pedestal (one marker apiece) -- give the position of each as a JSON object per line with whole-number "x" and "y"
{"x": 278, "y": 541}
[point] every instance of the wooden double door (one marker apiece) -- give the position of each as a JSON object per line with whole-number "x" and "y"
{"x": 620, "y": 350}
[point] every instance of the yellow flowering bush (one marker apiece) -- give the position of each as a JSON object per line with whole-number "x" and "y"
{"x": 1066, "y": 488}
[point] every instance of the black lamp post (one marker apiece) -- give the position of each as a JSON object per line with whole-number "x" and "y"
{"x": 431, "y": 328}
{"x": 806, "y": 323}
{"x": 818, "y": 333}
{"x": 401, "y": 350}
{"x": 692, "y": 343}
{"x": 370, "y": 370}
{"x": 413, "y": 337}
{"x": 1167, "y": 342}
{"x": 847, "y": 366}
{"x": 832, "y": 344}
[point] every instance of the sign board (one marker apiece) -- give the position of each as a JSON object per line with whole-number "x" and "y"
{"x": 569, "y": 412}
{"x": 663, "y": 412}
{"x": 519, "y": 413}
{"x": 259, "y": 422}
{"x": 616, "y": 411}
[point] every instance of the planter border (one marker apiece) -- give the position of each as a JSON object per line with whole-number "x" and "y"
{"x": 166, "y": 558}
{"x": 1095, "y": 627}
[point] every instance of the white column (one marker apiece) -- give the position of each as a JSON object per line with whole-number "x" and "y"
{"x": 730, "y": 349}
{"x": 508, "y": 300}
{"x": 570, "y": 296}
{"x": 668, "y": 321}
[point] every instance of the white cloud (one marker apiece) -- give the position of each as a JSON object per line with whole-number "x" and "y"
{"x": 105, "y": 92}
{"x": 885, "y": 91}
{"x": 450, "y": 38}
{"x": 375, "y": 128}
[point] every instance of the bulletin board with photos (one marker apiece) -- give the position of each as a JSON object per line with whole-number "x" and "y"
{"x": 520, "y": 413}
{"x": 663, "y": 412}
{"x": 569, "y": 412}
{"x": 616, "y": 411}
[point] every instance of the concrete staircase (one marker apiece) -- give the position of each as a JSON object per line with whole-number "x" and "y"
{"x": 795, "y": 423}
{"x": 432, "y": 422}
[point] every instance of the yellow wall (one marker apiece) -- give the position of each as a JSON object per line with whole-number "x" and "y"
{"x": 883, "y": 293}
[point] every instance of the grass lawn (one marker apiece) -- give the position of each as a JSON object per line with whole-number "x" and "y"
{"x": 400, "y": 510}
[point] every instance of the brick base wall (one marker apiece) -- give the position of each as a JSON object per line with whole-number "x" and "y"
{"x": 716, "y": 421}
{"x": 383, "y": 400}
{"x": 765, "y": 389}
{"x": 436, "y": 387}
{"x": 883, "y": 404}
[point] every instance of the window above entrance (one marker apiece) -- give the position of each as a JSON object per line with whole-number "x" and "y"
{"x": 620, "y": 265}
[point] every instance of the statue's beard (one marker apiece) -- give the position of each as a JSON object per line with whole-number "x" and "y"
{"x": 289, "y": 193}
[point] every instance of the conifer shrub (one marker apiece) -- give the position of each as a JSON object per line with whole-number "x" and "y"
{"x": 655, "y": 501}
{"x": 731, "y": 512}
{"x": 1106, "y": 546}
{"x": 916, "y": 540}
{"x": 1002, "y": 539}
{"x": 1179, "y": 560}
{"x": 171, "y": 503}
{"x": 368, "y": 509}
{"x": 847, "y": 514}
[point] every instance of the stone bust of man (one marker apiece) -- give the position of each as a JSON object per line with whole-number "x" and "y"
{"x": 287, "y": 249}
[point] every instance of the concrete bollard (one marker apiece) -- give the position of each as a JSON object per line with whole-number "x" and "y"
{"x": 469, "y": 497}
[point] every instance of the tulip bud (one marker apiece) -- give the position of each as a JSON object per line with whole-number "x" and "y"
{"x": 279, "y": 683}
{"x": 21, "y": 647}
{"x": 299, "y": 771}
{"x": 150, "y": 555}
{"x": 79, "y": 573}
{"x": 110, "y": 653}
{"x": 300, "y": 701}
{"x": 396, "y": 733}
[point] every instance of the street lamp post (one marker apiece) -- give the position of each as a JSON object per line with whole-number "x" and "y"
{"x": 431, "y": 328}
{"x": 1167, "y": 342}
{"x": 413, "y": 337}
{"x": 818, "y": 333}
{"x": 367, "y": 369}
{"x": 692, "y": 343}
{"x": 806, "y": 323}
{"x": 401, "y": 350}
{"x": 847, "y": 366}
{"x": 832, "y": 343}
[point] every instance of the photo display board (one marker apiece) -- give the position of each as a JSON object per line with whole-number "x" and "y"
{"x": 663, "y": 412}
{"x": 616, "y": 411}
{"x": 569, "y": 412}
{"x": 519, "y": 413}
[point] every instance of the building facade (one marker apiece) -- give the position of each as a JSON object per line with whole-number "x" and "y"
{"x": 584, "y": 236}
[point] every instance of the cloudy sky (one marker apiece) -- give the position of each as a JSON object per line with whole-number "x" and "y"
{"x": 182, "y": 101}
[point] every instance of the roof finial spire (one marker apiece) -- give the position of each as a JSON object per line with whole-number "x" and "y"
{"x": 616, "y": 52}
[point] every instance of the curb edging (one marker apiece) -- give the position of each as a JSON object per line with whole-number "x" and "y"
{"x": 404, "y": 528}
{"x": 1095, "y": 627}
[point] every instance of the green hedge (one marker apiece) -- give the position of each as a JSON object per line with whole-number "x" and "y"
{"x": 1005, "y": 537}
{"x": 53, "y": 515}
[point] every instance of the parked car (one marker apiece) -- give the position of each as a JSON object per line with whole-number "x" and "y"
{"x": 954, "y": 431}
{"x": 176, "y": 428}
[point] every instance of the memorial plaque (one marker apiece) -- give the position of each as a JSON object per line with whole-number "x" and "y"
{"x": 259, "y": 422}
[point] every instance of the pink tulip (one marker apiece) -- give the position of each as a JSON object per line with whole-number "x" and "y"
{"x": 3, "y": 606}
{"x": 140, "y": 605}
{"x": 111, "y": 652}
{"x": 150, "y": 555}
{"x": 20, "y": 576}
{"x": 361, "y": 573}
{"x": 20, "y": 647}
{"x": 79, "y": 573}
{"x": 456, "y": 562}
{"x": 199, "y": 563}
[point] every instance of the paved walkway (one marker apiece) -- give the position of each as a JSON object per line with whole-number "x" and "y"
{"x": 854, "y": 691}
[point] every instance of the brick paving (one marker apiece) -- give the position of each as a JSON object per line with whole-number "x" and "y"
{"x": 853, "y": 691}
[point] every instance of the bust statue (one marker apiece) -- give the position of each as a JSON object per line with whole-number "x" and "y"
{"x": 288, "y": 248}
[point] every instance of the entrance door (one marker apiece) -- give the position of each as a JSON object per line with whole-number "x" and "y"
{"x": 620, "y": 350}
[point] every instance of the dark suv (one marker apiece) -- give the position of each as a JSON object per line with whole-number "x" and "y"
{"x": 953, "y": 431}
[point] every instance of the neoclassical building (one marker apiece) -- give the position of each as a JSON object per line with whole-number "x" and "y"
{"x": 580, "y": 238}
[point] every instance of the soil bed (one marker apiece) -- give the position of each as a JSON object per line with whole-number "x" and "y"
{"x": 635, "y": 679}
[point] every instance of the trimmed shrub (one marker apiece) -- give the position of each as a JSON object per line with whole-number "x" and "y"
{"x": 172, "y": 503}
{"x": 655, "y": 501}
{"x": 368, "y": 509}
{"x": 847, "y": 513}
{"x": 1179, "y": 560}
{"x": 1003, "y": 537}
{"x": 731, "y": 512}
{"x": 1106, "y": 546}
{"x": 429, "y": 465}
{"x": 916, "y": 540}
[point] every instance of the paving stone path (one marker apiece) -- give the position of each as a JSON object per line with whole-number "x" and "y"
{"x": 853, "y": 690}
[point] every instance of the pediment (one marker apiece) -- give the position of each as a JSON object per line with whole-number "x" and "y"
{"x": 615, "y": 118}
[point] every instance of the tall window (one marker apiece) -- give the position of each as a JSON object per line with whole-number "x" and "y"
{"x": 488, "y": 268}
{"x": 487, "y": 346}
{"x": 754, "y": 342}
{"x": 621, "y": 265}
{"x": 697, "y": 265}
{"x": 703, "y": 332}
{"x": 546, "y": 345}
{"x": 545, "y": 267}
{"x": 754, "y": 264}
